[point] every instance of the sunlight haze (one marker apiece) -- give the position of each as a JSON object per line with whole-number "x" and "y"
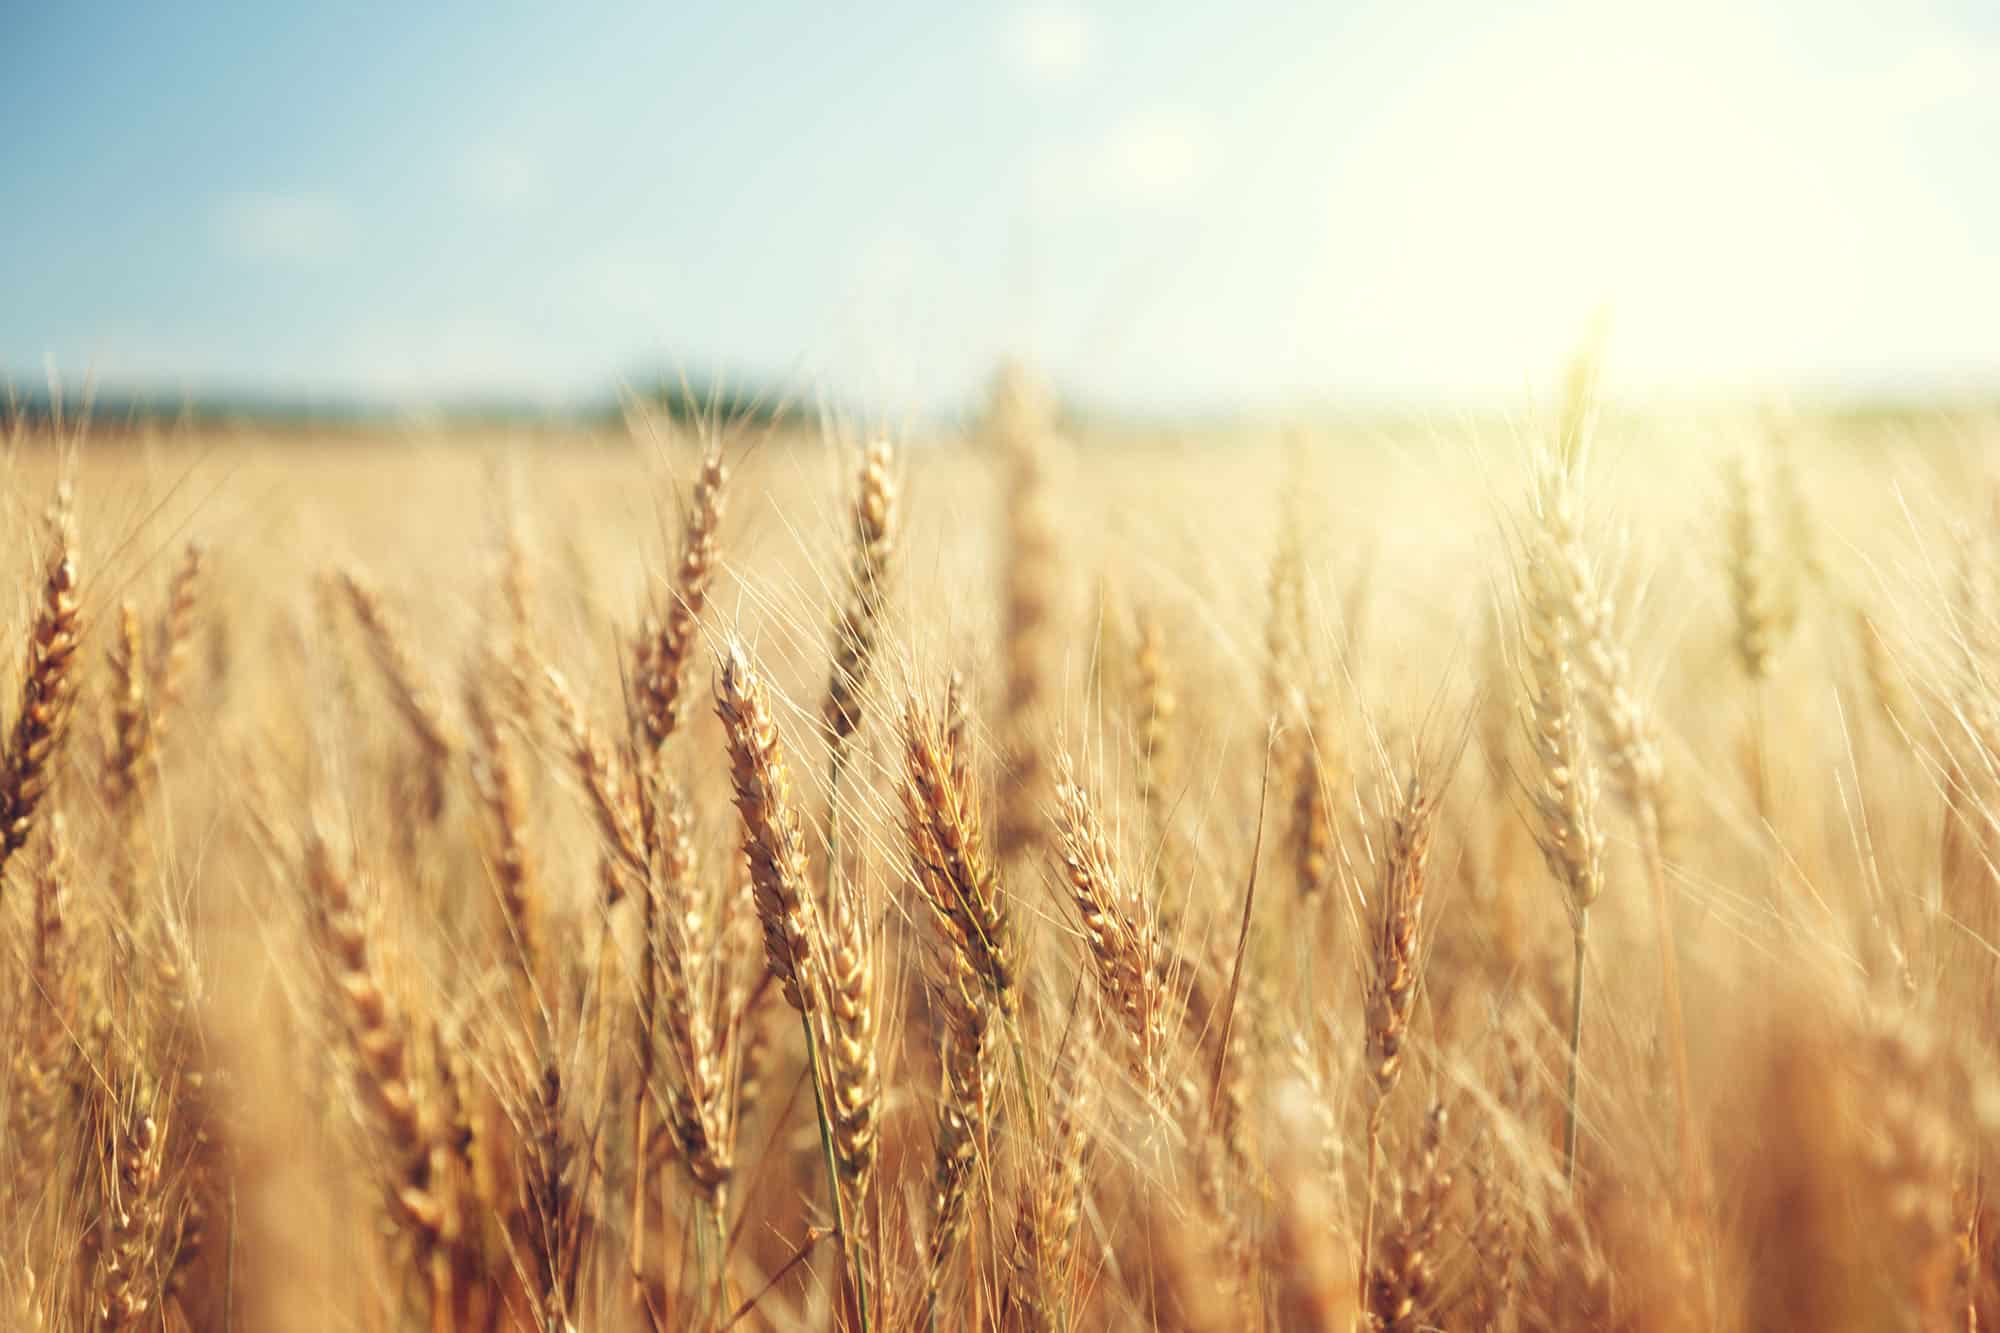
{"x": 1191, "y": 206}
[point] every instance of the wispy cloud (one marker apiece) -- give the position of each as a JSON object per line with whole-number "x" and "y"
{"x": 1152, "y": 159}
{"x": 283, "y": 228}
{"x": 500, "y": 177}
{"x": 1051, "y": 44}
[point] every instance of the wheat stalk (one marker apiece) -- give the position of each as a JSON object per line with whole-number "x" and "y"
{"x": 1624, "y": 730}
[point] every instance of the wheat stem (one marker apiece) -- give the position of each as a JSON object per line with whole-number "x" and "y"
{"x": 847, "y": 1250}
{"x": 1575, "y": 1052}
{"x": 1670, "y": 987}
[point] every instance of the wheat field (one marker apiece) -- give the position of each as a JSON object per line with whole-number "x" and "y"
{"x": 1476, "y": 875}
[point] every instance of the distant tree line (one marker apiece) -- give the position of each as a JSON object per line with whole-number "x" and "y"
{"x": 683, "y": 398}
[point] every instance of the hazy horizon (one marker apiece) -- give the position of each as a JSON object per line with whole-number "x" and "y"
{"x": 1204, "y": 208}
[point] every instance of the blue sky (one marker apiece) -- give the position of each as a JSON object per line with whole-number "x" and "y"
{"x": 1165, "y": 205}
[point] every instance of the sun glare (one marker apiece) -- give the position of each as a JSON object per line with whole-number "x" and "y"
{"x": 1688, "y": 200}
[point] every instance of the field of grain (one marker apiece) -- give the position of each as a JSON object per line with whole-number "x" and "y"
{"x": 1477, "y": 875}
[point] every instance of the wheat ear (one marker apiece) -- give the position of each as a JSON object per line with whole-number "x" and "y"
{"x": 774, "y": 845}
{"x": 1120, "y": 931}
{"x": 48, "y": 690}
{"x": 665, "y": 648}
{"x": 1394, "y": 973}
{"x": 872, "y": 525}
{"x": 1563, "y": 792}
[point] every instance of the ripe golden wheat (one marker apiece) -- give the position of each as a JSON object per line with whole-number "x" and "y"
{"x": 1116, "y": 885}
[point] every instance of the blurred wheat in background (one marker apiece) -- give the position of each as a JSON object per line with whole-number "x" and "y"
{"x": 1010, "y": 881}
